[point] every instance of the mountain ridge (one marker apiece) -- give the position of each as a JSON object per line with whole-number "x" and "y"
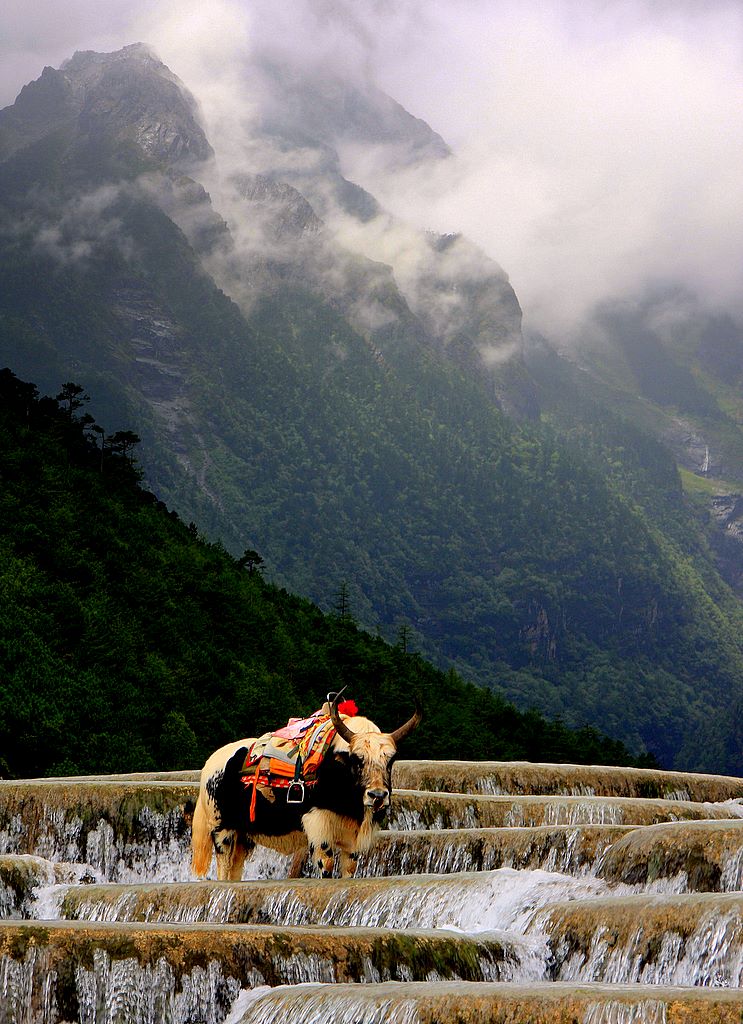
{"x": 317, "y": 419}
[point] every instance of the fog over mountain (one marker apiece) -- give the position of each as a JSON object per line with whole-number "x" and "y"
{"x": 253, "y": 255}
{"x": 596, "y": 146}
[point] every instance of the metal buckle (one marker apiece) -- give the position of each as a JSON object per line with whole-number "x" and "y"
{"x": 295, "y": 793}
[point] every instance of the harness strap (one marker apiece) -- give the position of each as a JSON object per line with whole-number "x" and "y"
{"x": 291, "y": 762}
{"x": 253, "y": 797}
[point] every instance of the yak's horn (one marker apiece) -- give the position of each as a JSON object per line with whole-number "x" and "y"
{"x": 341, "y": 728}
{"x": 412, "y": 723}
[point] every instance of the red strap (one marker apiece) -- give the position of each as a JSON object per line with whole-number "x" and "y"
{"x": 252, "y": 799}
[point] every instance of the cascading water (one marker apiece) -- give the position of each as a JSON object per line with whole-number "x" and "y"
{"x": 512, "y": 889}
{"x": 113, "y": 991}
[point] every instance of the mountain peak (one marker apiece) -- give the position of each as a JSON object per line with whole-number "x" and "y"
{"x": 134, "y": 51}
{"x": 128, "y": 96}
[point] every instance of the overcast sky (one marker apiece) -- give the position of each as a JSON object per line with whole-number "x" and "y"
{"x": 599, "y": 144}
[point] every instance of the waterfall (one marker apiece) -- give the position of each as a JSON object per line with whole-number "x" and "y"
{"x": 681, "y": 940}
{"x": 300, "y": 1006}
{"x": 584, "y": 901}
{"x": 128, "y": 991}
{"x": 649, "y": 1011}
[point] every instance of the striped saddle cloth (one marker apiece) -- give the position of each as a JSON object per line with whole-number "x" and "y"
{"x": 289, "y": 756}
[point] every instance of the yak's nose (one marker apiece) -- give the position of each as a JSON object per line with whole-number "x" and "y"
{"x": 377, "y": 798}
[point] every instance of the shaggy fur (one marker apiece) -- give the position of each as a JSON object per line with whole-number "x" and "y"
{"x": 340, "y": 814}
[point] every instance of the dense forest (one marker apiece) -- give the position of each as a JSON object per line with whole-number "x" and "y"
{"x": 500, "y": 517}
{"x": 130, "y": 643}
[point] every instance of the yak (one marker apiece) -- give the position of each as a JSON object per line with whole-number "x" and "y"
{"x": 340, "y": 812}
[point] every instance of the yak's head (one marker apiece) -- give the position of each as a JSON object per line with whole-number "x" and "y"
{"x": 370, "y": 754}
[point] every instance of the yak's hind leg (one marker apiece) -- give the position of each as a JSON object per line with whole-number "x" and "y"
{"x": 207, "y": 831}
{"x": 231, "y": 851}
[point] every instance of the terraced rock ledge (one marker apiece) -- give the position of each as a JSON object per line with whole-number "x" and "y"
{"x": 524, "y": 778}
{"x": 408, "y": 901}
{"x": 418, "y": 809}
{"x": 495, "y": 1004}
{"x": 119, "y": 964}
{"x": 694, "y": 939}
{"x": 568, "y": 898}
{"x": 704, "y": 856}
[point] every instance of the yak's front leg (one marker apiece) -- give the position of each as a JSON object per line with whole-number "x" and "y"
{"x": 323, "y": 858}
{"x": 318, "y": 829}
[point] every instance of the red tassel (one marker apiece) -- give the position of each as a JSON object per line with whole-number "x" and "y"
{"x": 348, "y": 707}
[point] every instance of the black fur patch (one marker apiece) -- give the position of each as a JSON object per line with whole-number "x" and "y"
{"x": 337, "y": 790}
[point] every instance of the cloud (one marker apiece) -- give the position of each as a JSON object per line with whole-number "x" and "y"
{"x": 76, "y": 232}
{"x": 598, "y": 145}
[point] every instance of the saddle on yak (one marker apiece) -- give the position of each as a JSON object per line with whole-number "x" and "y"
{"x": 290, "y": 757}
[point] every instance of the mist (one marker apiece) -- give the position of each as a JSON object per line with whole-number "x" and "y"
{"x": 596, "y": 146}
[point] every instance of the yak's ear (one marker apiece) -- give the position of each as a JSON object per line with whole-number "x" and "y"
{"x": 342, "y": 756}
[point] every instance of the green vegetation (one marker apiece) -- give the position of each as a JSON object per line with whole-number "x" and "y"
{"x": 695, "y": 484}
{"x": 557, "y": 563}
{"x": 128, "y": 643}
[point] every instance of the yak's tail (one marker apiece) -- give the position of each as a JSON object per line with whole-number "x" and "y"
{"x": 201, "y": 840}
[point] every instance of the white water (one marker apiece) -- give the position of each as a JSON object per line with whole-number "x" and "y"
{"x": 117, "y": 991}
{"x": 292, "y": 1006}
{"x": 647, "y": 1011}
{"x": 505, "y": 901}
{"x": 711, "y": 956}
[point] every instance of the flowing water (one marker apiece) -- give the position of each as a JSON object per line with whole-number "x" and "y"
{"x": 514, "y": 893}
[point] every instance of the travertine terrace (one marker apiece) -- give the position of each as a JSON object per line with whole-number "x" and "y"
{"x": 511, "y": 893}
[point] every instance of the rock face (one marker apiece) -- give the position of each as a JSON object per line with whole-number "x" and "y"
{"x": 523, "y": 778}
{"x": 727, "y": 512}
{"x": 319, "y": 382}
{"x": 127, "y": 97}
{"x": 698, "y": 856}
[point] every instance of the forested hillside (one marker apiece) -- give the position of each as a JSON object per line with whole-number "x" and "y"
{"x": 293, "y": 398}
{"x": 129, "y": 643}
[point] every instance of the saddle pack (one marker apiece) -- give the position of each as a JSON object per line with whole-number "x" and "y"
{"x": 290, "y": 757}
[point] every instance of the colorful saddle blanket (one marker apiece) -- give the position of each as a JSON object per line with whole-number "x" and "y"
{"x": 292, "y": 754}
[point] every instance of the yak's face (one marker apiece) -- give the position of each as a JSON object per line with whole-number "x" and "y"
{"x": 369, "y": 756}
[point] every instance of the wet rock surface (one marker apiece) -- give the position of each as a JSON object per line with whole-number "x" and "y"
{"x": 439, "y": 810}
{"x": 698, "y": 856}
{"x": 524, "y": 778}
{"x": 513, "y": 893}
{"x": 691, "y": 939}
{"x": 489, "y": 1004}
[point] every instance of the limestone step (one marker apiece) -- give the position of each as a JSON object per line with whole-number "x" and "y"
{"x": 141, "y": 971}
{"x": 523, "y": 777}
{"x": 690, "y": 939}
{"x": 471, "y": 1003}
{"x": 469, "y": 901}
{"x": 415, "y": 809}
{"x": 571, "y": 849}
{"x": 140, "y": 829}
{"x": 705, "y": 856}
